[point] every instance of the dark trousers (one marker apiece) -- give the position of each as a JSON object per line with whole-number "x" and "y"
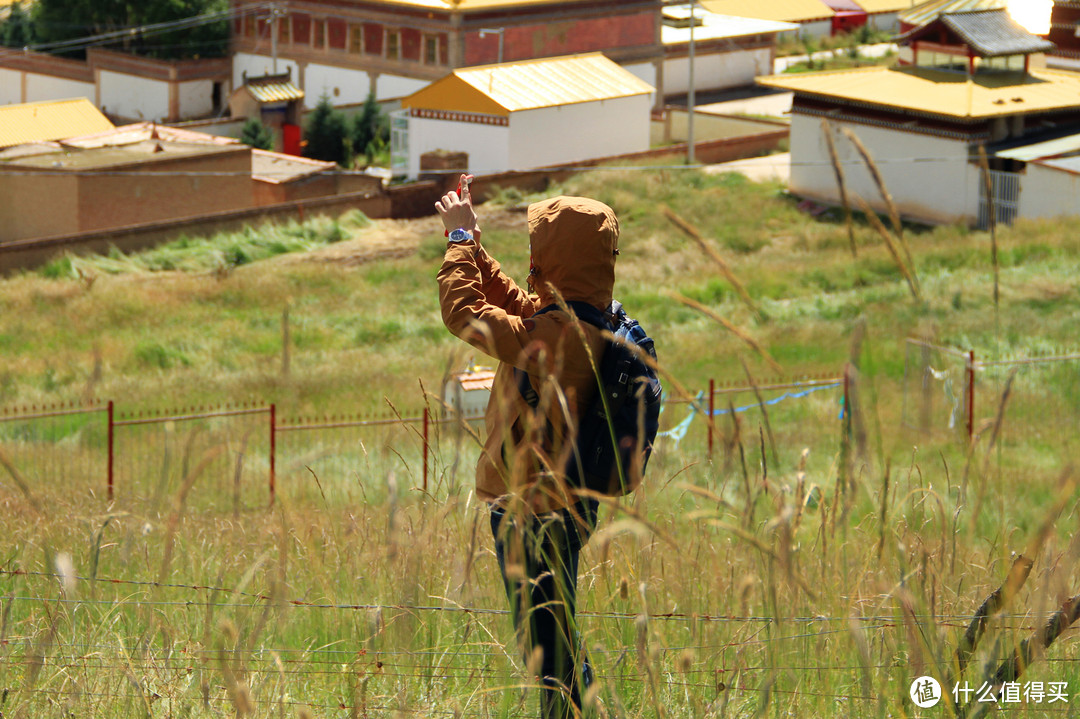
{"x": 538, "y": 558}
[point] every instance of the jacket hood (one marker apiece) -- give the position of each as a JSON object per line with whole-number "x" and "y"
{"x": 574, "y": 241}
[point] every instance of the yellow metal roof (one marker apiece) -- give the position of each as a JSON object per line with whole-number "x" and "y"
{"x": 528, "y": 85}
{"x": 927, "y": 11}
{"x": 782, "y": 10}
{"x": 935, "y": 92}
{"x": 53, "y": 120}
{"x": 469, "y": 5}
{"x": 872, "y": 6}
{"x": 274, "y": 91}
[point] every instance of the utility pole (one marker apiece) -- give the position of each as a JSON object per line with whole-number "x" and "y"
{"x": 275, "y": 13}
{"x": 485, "y": 31}
{"x": 690, "y": 98}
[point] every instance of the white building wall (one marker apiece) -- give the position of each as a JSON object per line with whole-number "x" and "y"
{"x": 46, "y": 87}
{"x": 929, "y": 178}
{"x": 352, "y": 85}
{"x": 1048, "y": 192}
{"x": 487, "y": 145}
{"x": 133, "y": 97}
{"x": 343, "y": 86}
{"x": 887, "y": 21}
{"x": 197, "y": 98}
{"x": 643, "y": 71}
{"x": 569, "y": 133}
{"x": 10, "y": 87}
{"x": 259, "y": 65}
{"x": 716, "y": 71}
{"x": 391, "y": 87}
{"x": 821, "y": 28}
{"x": 1062, "y": 63}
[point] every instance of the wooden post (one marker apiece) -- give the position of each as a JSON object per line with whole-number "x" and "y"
{"x": 971, "y": 395}
{"x": 273, "y": 449}
{"x": 285, "y": 341}
{"x": 111, "y": 454}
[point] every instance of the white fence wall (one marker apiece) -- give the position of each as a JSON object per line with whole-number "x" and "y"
{"x": 133, "y": 97}
{"x": 557, "y": 135}
{"x": 717, "y": 71}
{"x": 41, "y": 88}
{"x": 341, "y": 85}
{"x": 487, "y": 145}
{"x": 1049, "y": 192}
{"x": 929, "y": 178}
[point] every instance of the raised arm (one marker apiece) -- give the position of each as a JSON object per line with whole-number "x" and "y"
{"x": 480, "y": 303}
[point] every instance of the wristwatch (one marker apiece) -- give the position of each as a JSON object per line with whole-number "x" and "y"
{"x": 461, "y": 235}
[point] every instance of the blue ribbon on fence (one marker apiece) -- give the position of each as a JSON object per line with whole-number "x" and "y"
{"x": 777, "y": 400}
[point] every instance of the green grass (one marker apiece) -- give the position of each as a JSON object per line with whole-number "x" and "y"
{"x": 786, "y": 587}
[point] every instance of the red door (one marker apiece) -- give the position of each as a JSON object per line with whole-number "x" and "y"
{"x": 290, "y": 135}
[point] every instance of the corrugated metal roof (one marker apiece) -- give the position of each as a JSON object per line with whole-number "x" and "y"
{"x": 141, "y": 131}
{"x": 1067, "y": 164}
{"x": 278, "y": 168}
{"x": 529, "y": 85}
{"x": 934, "y": 92}
{"x": 876, "y": 6}
{"x": 471, "y": 5}
{"x": 275, "y": 91}
{"x": 1038, "y": 150}
{"x": 782, "y": 10}
{"x": 929, "y": 11}
{"x": 844, "y": 6}
{"x": 46, "y": 121}
{"x": 476, "y": 381}
{"x": 716, "y": 27}
{"x": 993, "y": 33}
{"x": 138, "y": 153}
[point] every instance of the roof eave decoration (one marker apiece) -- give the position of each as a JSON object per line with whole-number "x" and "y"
{"x": 990, "y": 33}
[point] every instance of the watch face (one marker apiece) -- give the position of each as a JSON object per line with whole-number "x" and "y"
{"x": 460, "y": 235}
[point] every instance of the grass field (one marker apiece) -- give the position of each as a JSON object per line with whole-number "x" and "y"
{"x": 802, "y": 570}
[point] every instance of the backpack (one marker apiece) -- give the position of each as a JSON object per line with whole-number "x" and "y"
{"x": 610, "y": 455}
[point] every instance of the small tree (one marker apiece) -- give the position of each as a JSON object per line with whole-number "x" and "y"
{"x": 256, "y": 134}
{"x": 370, "y": 129}
{"x": 18, "y": 29}
{"x": 326, "y": 133}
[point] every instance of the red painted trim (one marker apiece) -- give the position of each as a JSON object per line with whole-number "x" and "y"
{"x": 273, "y": 451}
{"x": 111, "y": 454}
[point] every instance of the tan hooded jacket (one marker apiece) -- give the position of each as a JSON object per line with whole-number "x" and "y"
{"x": 574, "y": 242}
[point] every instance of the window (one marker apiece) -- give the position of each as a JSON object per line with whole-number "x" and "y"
{"x": 301, "y": 29}
{"x": 431, "y": 49}
{"x": 356, "y": 39}
{"x": 393, "y": 44}
{"x": 399, "y": 142}
{"x": 373, "y": 39}
{"x": 284, "y": 30}
{"x": 320, "y": 34}
{"x": 249, "y": 26}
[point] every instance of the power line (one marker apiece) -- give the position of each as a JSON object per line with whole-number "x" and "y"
{"x": 48, "y": 172}
{"x": 137, "y": 31}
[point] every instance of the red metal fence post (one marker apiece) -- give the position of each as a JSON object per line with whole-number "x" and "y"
{"x": 273, "y": 449}
{"x": 110, "y": 452}
{"x": 709, "y": 419}
{"x": 426, "y": 449}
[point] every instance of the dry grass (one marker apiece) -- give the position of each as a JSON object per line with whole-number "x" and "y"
{"x": 728, "y": 586}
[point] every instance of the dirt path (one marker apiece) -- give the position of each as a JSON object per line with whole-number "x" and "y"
{"x": 392, "y": 239}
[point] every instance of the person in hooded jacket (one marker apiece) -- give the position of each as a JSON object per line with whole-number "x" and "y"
{"x": 539, "y": 523}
